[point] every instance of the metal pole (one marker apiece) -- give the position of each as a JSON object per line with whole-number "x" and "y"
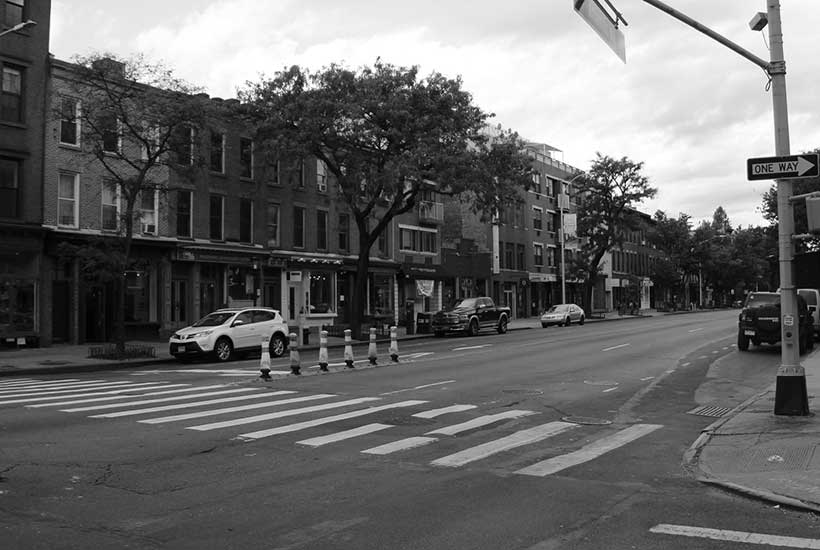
{"x": 562, "y": 238}
{"x": 790, "y": 395}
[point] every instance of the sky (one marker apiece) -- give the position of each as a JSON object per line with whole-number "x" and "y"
{"x": 689, "y": 108}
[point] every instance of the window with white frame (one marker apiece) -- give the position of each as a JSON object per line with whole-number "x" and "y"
{"x": 68, "y": 191}
{"x": 321, "y": 176}
{"x": 110, "y": 199}
{"x": 273, "y": 224}
{"x": 11, "y": 93}
{"x": 538, "y": 254}
{"x": 69, "y": 121}
{"x": 418, "y": 239}
{"x": 148, "y": 212}
{"x": 537, "y": 220}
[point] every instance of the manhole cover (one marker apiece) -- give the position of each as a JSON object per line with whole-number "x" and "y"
{"x": 522, "y": 391}
{"x": 587, "y": 420}
{"x": 714, "y": 411}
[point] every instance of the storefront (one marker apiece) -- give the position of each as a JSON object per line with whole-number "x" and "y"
{"x": 19, "y": 295}
{"x": 420, "y": 291}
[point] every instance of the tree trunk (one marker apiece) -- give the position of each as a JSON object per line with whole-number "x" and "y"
{"x": 359, "y": 299}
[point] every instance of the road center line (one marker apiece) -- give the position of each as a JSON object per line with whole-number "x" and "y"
{"x": 418, "y": 387}
{"x": 735, "y": 536}
{"x": 471, "y": 347}
{"x": 616, "y": 347}
{"x": 696, "y": 329}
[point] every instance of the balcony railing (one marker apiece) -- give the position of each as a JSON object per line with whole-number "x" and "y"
{"x": 431, "y": 212}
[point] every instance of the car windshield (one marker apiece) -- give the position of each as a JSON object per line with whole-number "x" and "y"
{"x": 557, "y": 309}
{"x": 214, "y": 319}
{"x": 762, "y": 299}
{"x": 467, "y": 302}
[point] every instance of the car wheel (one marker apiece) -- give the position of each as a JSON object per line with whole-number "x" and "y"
{"x": 223, "y": 349}
{"x": 566, "y": 322}
{"x": 502, "y": 326}
{"x": 472, "y": 328}
{"x": 581, "y": 320}
{"x": 278, "y": 345}
{"x": 544, "y": 325}
{"x": 742, "y": 341}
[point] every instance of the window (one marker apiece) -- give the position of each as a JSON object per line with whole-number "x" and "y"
{"x": 509, "y": 255}
{"x": 538, "y": 254}
{"x": 321, "y": 176}
{"x": 69, "y": 123}
{"x": 275, "y": 175}
{"x": 321, "y": 230}
{"x": 382, "y": 242}
{"x": 184, "y": 217}
{"x": 537, "y": 223}
{"x": 273, "y": 224}
{"x": 150, "y": 142}
{"x": 321, "y": 292}
{"x": 67, "y": 195}
{"x": 217, "y": 152}
{"x": 297, "y": 175}
{"x": 418, "y": 239}
{"x": 215, "y": 217}
{"x": 518, "y": 215}
{"x": 245, "y": 220}
{"x": 9, "y": 186}
{"x": 110, "y": 206}
{"x": 551, "y": 221}
{"x": 536, "y": 182}
{"x": 14, "y": 12}
{"x": 344, "y": 232}
{"x": 11, "y": 100}
{"x": 298, "y": 227}
{"x": 109, "y": 132}
{"x": 520, "y": 259}
{"x": 148, "y": 212}
{"x": 181, "y": 144}
{"x": 246, "y": 158}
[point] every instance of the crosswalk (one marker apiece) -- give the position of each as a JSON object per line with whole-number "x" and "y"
{"x": 253, "y": 413}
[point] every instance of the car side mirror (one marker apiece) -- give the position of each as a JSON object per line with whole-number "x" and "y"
{"x": 238, "y": 322}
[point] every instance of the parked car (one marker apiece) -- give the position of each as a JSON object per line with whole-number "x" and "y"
{"x": 228, "y": 331}
{"x": 470, "y": 315}
{"x": 812, "y": 297}
{"x": 563, "y": 314}
{"x": 759, "y": 322}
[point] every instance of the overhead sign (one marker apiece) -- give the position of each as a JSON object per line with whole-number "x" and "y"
{"x": 603, "y": 23}
{"x": 793, "y": 166}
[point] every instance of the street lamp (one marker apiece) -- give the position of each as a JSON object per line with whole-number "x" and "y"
{"x": 19, "y": 27}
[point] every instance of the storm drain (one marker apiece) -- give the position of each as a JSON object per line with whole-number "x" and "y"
{"x": 710, "y": 410}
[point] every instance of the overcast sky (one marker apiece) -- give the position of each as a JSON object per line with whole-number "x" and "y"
{"x": 689, "y": 108}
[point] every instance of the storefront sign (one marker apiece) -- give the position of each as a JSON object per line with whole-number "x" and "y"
{"x": 424, "y": 287}
{"x": 295, "y": 276}
{"x": 543, "y": 278}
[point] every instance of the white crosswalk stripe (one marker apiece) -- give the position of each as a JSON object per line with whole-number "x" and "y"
{"x": 479, "y": 422}
{"x": 159, "y": 400}
{"x": 444, "y": 410}
{"x": 400, "y": 445}
{"x": 128, "y": 395}
{"x": 62, "y": 395}
{"x": 227, "y": 410}
{"x": 346, "y": 434}
{"x": 191, "y": 404}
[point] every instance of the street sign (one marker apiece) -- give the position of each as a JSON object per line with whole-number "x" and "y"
{"x": 793, "y": 166}
{"x": 603, "y": 23}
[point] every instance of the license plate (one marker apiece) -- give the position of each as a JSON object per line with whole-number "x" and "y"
{"x": 749, "y": 332}
{"x": 180, "y": 349}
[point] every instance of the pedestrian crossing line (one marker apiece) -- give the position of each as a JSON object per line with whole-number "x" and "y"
{"x": 281, "y": 414}
{"x": 444, "y": 410}
{"x": 327, "y": 420}
{"x": 518, "y": 439}
{"x": 119, "y": 393}
{"x": 51, "y": 390}
{"x": 480, "y": 421}
{"x": 190, "y": 404}
{"x": 589, "y": 452}
{"x": 152, "y": 401}
{"x": 127, "y": 395}
{"x": 735, "y": 536}
{"x": 341, "y": 436}
{"x": 214, "y": 412}
{"x": 400, "y": 445}
{"x": 19, "y": 381}
{"x": 44, "y": 385}
{"x": 89, "y": 393}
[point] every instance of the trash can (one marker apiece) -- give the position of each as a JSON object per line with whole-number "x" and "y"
{"x": 423, "y": 323}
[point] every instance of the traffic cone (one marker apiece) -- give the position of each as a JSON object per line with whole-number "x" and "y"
{"x": 295, "y": 367}
{"x": 371, "y": 348}
{"x": 348, "y": 349}
{"x": 264, "y": 362}
{"x": 394, "y": 345}
{"x": 323, "y": 351}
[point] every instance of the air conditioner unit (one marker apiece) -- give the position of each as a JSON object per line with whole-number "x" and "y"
{"x": 149, "y": 228}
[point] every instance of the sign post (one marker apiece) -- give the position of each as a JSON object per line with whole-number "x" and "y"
{"x": 603, "y": 23}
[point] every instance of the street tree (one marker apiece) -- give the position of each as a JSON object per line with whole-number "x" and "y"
{"x": 800, "y": 186}
{"x": 385, "y": 134}
{"x": 137, "y": 122}
{"x": 611, "y": 191}
{"x": 672, "y": 272}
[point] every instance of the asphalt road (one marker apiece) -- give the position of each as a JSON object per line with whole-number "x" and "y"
{"x": 569, "y": 437}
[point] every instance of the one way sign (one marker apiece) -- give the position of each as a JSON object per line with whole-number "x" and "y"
{"x": 794, "y": 166}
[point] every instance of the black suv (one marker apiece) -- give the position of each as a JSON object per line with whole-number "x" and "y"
{"x": 759, "y": 321}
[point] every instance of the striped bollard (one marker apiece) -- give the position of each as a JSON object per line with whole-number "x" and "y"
{"x": 295, "y": 367}
{"x": 323, "y": 351}
{"x": 394, "y": 345}
{"x": 371, "y": 348}
{"x": 264, "y": 362}
{"x": 348, "y": 349}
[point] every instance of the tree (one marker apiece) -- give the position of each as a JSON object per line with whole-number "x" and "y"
{"x": 800, "y": 186}
{"x": 384, "y": 134}
{"x": 138, "y": 122}
{"x": 673, "y": 237}
{"x": 612, "y": 188}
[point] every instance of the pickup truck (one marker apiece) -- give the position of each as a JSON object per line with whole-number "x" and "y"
{"x": 759, "y": 322}
{"x": 469, "y": 316}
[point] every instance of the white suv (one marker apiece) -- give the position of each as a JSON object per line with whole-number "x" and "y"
{"x": 226, "y": 331}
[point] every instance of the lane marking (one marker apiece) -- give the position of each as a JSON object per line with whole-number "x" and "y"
{"x": 589, "y": 452}
{"x": 613, "y": 388}
{"x": 226, "y": 410}
{"x": 518, "y": 439}
{"x": 418, "y": 387}
{"x": 735, "y": 536}
{"x": 445, "y": 410}
{"x": 645, "y": 378}
{"x": 282, "y": 414}
{"x": 341, "y": 436}
{"x": 400, "y": 445}
{"x": 52, "y": 386}
{"x": 151, "y": 401}
{"x": 89, "y": 387}
{"x": 696, "y": 329}
{"x": 125, "y": 393}
{"x": 616, "y": 347}
{"x": 92, "y": 393}
{"x": 177, "y": 406}
{"x": 186, "y": 389}
{"x": 23, "y": 381}
{"x": 471, "y": 347}
{"x": 318, "y": 422}
{"x": 685, "y": 364}
{"x": 480, "y": 421}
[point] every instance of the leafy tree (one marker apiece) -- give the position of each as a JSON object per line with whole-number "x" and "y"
{"x": 612, "y": 188}
{"x": 673, "y": 237}
{"x": 384, "y": 133}
{"x": 800, "y": 186}
{"x": 137, "y": 121}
